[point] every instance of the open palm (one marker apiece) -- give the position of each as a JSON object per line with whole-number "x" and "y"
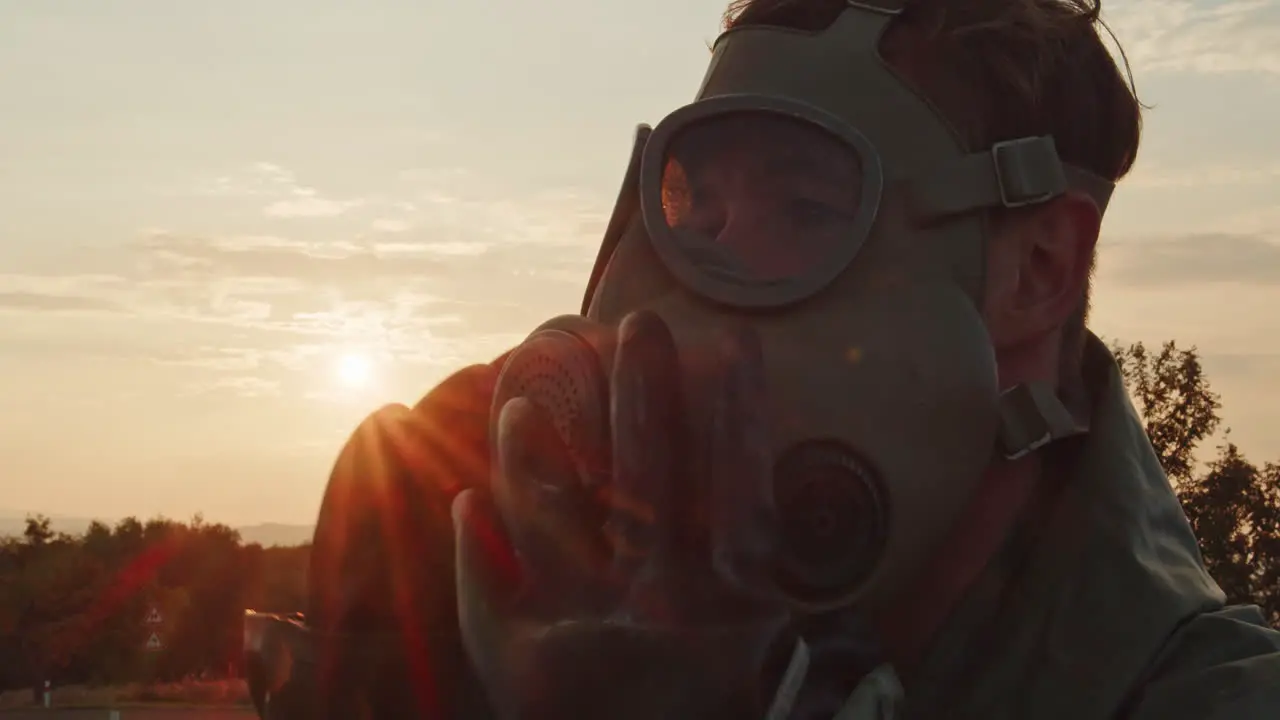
{"x": 643, "y": 611}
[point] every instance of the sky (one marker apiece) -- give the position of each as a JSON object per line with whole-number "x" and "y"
{"x": 229, "y": 231}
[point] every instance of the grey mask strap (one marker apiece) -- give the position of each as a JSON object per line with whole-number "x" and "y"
{"x": 1031, "y": 417}
{"x": 1011, "y": 174}
{"x": 784, "y": 700}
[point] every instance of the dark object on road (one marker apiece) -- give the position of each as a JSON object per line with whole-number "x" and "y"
{"x": 296, "y": 672}
{"x": 285, "y": 662}
{"x": 277, "y": 653}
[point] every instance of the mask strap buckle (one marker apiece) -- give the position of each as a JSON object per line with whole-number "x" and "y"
{"x": 1010, "y": 174}
{"x": 1031, "y": 417}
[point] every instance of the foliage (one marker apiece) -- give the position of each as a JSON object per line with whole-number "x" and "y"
{"x": 1233, "y": 505}
{"x": 1173, "y": 395}
{"x": 73, "y": 608}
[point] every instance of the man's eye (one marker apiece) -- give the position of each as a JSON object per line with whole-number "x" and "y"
{"x": 813, "y": 211}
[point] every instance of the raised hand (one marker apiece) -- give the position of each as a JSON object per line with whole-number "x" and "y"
{"x": 648, "y": 598}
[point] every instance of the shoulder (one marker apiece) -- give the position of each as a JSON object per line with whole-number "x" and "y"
{"x": 1223, "y": 664}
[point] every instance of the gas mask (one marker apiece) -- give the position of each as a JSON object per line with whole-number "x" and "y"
{"x": 811, "y": 194}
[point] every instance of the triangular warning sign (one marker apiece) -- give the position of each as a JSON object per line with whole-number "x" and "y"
{"x": 153, "y": 617}
{"x": 153, "y": 642}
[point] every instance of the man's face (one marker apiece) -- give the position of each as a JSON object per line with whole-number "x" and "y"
{"x": 775, "y": 195}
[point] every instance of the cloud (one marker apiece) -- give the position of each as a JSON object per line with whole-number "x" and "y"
{"x": 35, "y": 301}
{"x": 1155, "y": 177}
{"x": 1260, "y": 220}
{"x": 1199, "y": 37}
{"x": 392, "y": 226}
{"x": 1243, "y": 259}
{"x": 392, "y": 250}
{"x": 448, "y": 272}
{"x": 73, "y": 293}
{"x": 288, "y": 264}
{"x": 1242, "y": 365}
{"x": 242, "y": 386}
{"x": 217, "y": 358}
{"x": 287, "y": 197}
{"x": 309, "y": 207}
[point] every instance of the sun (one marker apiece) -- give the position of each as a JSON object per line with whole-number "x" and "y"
{"x": 354, "y": 370}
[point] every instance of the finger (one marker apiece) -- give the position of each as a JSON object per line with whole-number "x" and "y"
{"x": 542, "y": 503}
{"x": 487, "y": 576}
{"x": 741, "y": 470}
{"x": 642, "y": 524}
{"x": 487, "y": 569}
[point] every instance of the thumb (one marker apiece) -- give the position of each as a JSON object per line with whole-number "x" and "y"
{"x": 487, "y": 573}
{"x": 489, "y": 579}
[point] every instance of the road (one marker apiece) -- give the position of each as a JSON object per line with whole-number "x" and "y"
{"x": 130, "y": 714}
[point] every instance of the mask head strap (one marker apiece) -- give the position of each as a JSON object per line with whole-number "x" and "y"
{"x": 625, "y": 210}
{"x": 1011, "y": 174}
{"x": 1031, "y": 417}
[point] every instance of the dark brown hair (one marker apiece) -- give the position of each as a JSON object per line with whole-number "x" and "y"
{"x": 1004, "y": 69}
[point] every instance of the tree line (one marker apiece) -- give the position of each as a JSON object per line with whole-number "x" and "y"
{"x": 74, "y": 608}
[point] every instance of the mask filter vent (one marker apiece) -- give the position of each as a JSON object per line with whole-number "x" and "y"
{"x": 833, "y": 518}
{"x": 561, "y": 374}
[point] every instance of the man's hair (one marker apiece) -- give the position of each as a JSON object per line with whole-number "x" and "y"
{"x": 1004, "y": 69}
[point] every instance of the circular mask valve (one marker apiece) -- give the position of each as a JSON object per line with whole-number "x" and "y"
{"x": 561, "y": 373}
{"x": 833, "y": 522}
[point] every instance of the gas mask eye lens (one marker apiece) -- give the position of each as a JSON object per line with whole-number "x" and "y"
{"x": 760, "y": 197}
{"x": 833, "y": 521}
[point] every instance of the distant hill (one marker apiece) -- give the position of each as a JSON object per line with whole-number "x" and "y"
{"x": 13, "y": 522}
{"x": 268, "y": 534}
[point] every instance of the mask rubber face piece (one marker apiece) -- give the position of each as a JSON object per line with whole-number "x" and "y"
{"x": 783, "y": 201}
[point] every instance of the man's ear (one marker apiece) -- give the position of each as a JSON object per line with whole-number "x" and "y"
{"x": 1038, "y": 268}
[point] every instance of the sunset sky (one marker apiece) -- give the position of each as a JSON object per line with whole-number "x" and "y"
{"x": 229, "y": 230}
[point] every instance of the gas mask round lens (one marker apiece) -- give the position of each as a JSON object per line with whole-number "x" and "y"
{"x": 760, "y": 198}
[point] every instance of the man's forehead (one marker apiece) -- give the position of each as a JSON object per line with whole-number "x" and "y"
{"x": 782, "y": 146}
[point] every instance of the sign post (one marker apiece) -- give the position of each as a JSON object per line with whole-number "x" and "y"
{"x": 154, "y": 621}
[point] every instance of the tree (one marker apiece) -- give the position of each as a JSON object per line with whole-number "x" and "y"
{"x": 1235, "y": 512}
{"x": 1175, "y": 400}
{"x": 1234, "y": 506}
{"x": 72, "y": 608}
{"x": 38, "y": 531}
